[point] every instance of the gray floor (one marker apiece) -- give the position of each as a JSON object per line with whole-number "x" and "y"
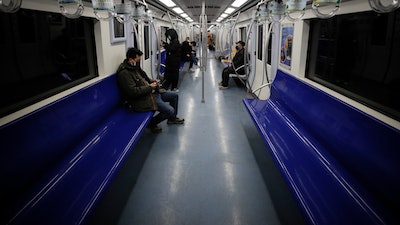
{"x": 214, "y": 169}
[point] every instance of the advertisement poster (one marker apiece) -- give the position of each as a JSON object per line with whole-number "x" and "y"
{"x": 286, "y": 45}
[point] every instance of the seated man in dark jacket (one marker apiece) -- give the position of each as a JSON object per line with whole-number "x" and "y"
{"x": 237, "y": 61}
{"x": 141, "y": 93}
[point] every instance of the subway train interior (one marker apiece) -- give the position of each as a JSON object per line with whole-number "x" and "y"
{"x": 304, "y": 130}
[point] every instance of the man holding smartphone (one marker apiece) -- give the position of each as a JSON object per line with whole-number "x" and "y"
{"x": 142, "y": 93}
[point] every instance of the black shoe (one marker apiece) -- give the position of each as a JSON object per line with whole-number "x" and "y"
{"x": 176, "y": 121}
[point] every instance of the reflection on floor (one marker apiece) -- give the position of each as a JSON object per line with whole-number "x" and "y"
{"x": 214, "y": 169}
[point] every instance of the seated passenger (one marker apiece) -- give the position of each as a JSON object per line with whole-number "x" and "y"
{"x": 237, "y": 62}
{"x": 194, "y": 59}
{"x": 188, "y": 54}
{"x": 143, "y": 94}
{"x": 186, "y": 51}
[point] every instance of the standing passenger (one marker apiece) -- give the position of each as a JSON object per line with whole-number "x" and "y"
{"x": 173, "y": 60}
{"x": 141, "y": 93}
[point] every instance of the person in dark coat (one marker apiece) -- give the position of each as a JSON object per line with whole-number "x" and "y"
{"x": 186, "y": 51}
{"x": 237, "y": 61}
{"x": 173, "y": 60}
{"x": 188, "y": 54}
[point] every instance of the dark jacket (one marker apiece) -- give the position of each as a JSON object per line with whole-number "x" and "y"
{"x": 238, "y": 61}
{"x": 173, "y": 49}
{"x": 132, "y": 84}
{"x": 186, "y": 51}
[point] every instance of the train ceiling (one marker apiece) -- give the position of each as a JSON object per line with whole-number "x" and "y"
{"x": 213, "y": 8}
{"x": 193, "y": 8}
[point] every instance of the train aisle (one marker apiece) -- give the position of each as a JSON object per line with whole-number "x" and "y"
{"x": 202, "y": 172}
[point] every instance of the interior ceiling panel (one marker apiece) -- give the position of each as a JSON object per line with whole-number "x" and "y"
{"x": 213, "y": 8}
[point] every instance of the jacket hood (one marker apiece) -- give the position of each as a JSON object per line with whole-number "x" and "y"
{"x": 171, "y": 34}
{"x": 125, "y": 65}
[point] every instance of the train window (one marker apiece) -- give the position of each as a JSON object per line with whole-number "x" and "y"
{"x": 261, "y": 44}
{"x": 135, "y": 39}
{"x": 269, "y": 48}
{"x": 162, "y": 33}
{"x": 146, "y": 42}
{"x": 41, "y": 54}
{"x": 243, "y": 35}
{"x": 260, "y": 41}
{"x": 357, "y": 55}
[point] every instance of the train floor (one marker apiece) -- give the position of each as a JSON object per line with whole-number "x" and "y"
{"x": 214, "y": 169}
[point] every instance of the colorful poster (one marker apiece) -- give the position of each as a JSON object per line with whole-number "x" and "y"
{"x": 286, "y": 45}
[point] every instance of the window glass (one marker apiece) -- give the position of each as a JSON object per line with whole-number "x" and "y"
{"x": 42, "y": 54}
{"x": 146, "y": 42}
{"x": 243, "y": 34}
{"x": 269, "y": 47}
{"x": 357, "y": 55}
{"x": 162, "y": 34}
{"x": 260, "y": 41}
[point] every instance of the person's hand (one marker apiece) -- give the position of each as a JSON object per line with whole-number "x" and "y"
{"x": 154, "y": 85}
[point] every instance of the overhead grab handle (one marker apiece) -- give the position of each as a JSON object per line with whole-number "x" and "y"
{"x": 103, "y": 6}
{"x": 64, "y": 4}
{"x": 123, "y": 11}
{"x": 139, "y": 9}
{"x": 262, "y": 11}
{"x": 377, "y": 6}
{"x": 12, "y": 7}
{"x": 276, "y": 10}
{"x": 295, "y": 7}
{"x": 317, "y": 3}
{"x": 126, "y": 11}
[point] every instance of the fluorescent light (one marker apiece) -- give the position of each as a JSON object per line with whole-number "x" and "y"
{"x": 184, "y": 15}
{"x": 229, "y": 10}
{"x": 168, "y": 3}
{"x": 238, "y": 3}
{"x": 223, "y": 15}
{"x": 178, "y": 10}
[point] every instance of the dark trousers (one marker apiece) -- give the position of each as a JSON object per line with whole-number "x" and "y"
{"x": 167, "y": 107}
{"x": 225, "y": 75}
{"x": 193, "y": 59}
{"x": 171, "y": 77}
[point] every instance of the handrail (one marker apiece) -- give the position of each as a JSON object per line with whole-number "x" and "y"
{"x": 64, "y": 11}
{"x": 261, "y": 87}
{"x": 105, "y": 6}
{"x": 123, "y": 12}
{"x": 377, "y": 6}
{"x": 12, "y": 7}
{"x": 317, "y": 3}
{"x": 277, "y": 11}
{"x": 293, "y": 6}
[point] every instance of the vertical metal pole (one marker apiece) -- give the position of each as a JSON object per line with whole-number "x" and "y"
{"x": 203, "y": 30}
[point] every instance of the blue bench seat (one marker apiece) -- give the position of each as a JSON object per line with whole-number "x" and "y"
{"x": 341, "y": 165}
{"x": 57, "y": 161}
